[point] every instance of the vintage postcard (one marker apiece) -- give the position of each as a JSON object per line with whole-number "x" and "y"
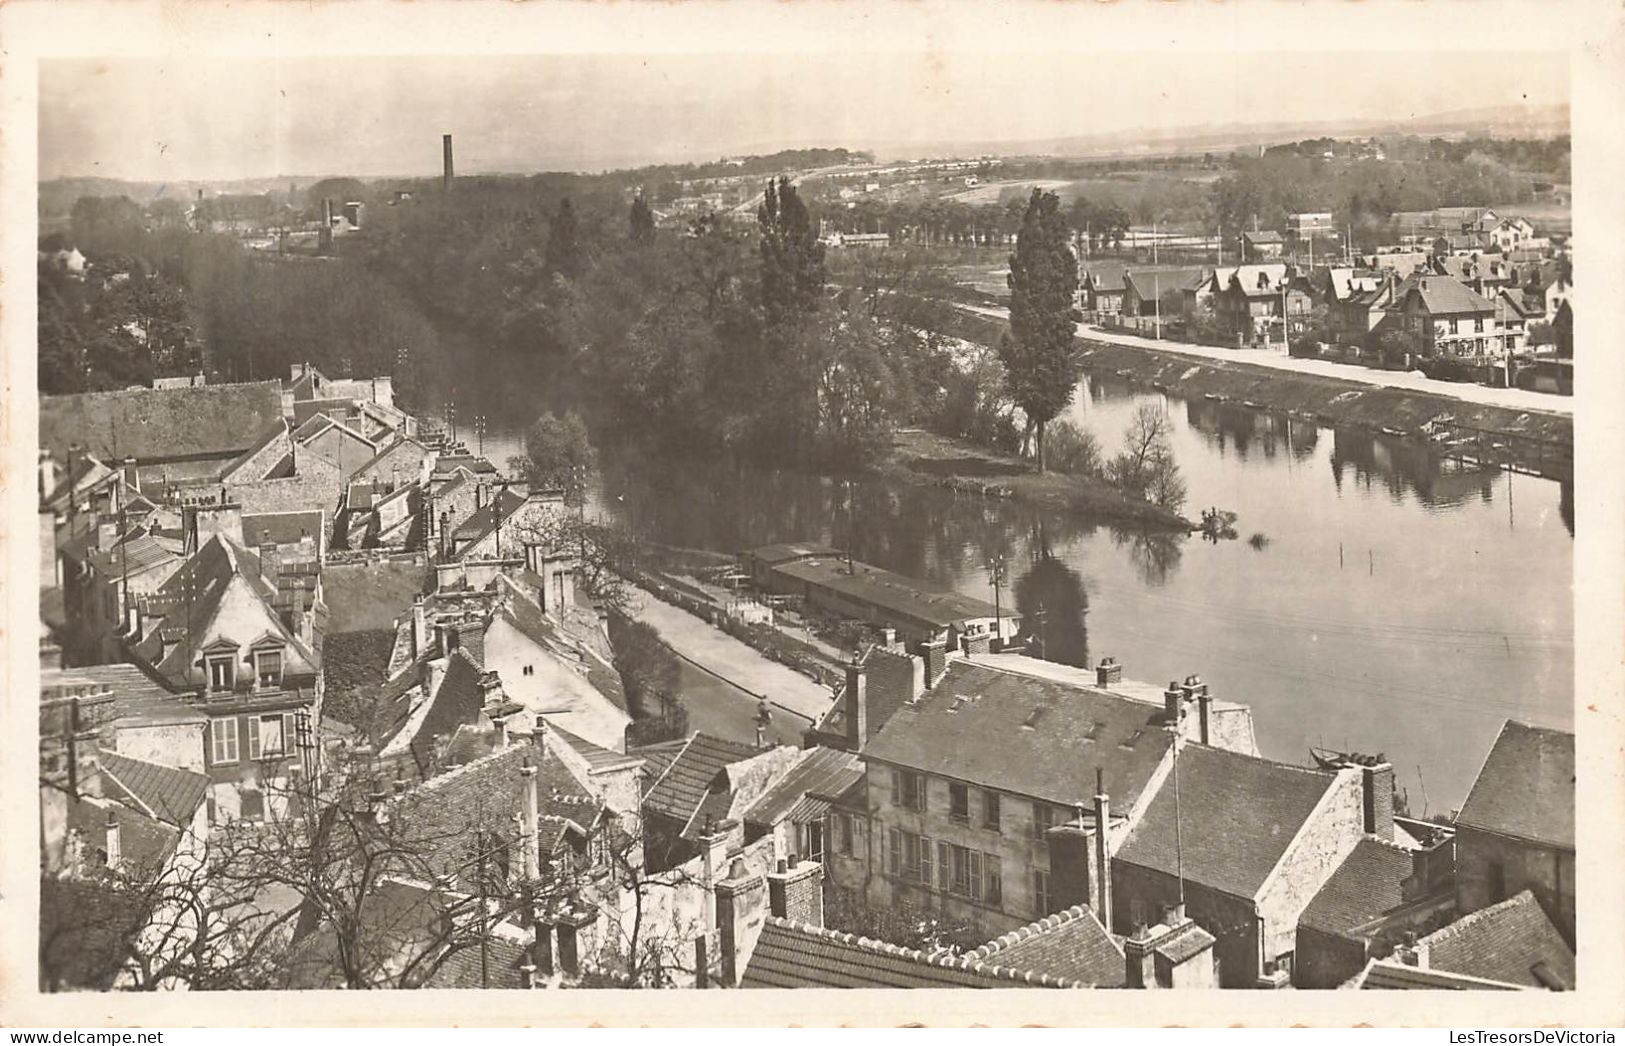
{"x": 924, "y": 500}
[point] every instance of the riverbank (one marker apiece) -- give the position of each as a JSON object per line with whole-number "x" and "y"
{"x": 924, "y": 458}
{"x": 1332, "y": 401}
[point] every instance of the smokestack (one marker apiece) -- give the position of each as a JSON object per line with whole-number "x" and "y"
{"x": 445, "y": 147}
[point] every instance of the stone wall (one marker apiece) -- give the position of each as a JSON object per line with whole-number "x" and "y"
{"x": 1546, "y": 872}
{"x": 1328, "y": 837}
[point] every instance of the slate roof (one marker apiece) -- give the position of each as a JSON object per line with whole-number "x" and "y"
{"x": 1107, "y": 279}
{"x": 1366, "y": 886}
{"x": 822, "y": 773}
{"x": 1151, "y": 282}
{"x": 135, "y": 695}
{"x": 145, "y": 842}
{"x": 160, "y": 424}
{"x": 795, "y": 955}
{"x": 134, "y": 554}
{"x": 485, "y": 519}
{"x": 1069, "y": 945}
{"x": 892, "y": 593}
{"x": 1238, "y": 815}
{"x": 1526, "y": 787}
{"x": 356, "y": 666}
{"x": 1443, "y": 296}
{"x": 679, "y": 791}
{"x": 272, "y": 432}
{"x": 168, "y": 793}
{"x": 1026, "y": 735}
{"x": 1504, "y": 942}
{"x": 282, "y": 528}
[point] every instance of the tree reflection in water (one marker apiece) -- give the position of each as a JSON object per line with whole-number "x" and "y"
{"x": 1155, "y": 556}
{"x": 1053, "y": 605}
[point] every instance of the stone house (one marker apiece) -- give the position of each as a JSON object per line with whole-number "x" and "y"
{"x": 243, "y": 638}
{"x": 1515, "y": 832}
{"x": 967, "y": 781}
{"x": 698, "y": 788}
{"x": 1245, "y": 844}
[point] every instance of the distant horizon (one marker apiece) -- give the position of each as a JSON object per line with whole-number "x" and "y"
{"x": 383, "y": 117}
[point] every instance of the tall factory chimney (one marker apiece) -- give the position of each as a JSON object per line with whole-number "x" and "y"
{"x": 445, "y": 145}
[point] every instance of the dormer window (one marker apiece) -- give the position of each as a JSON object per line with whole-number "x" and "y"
{"x": 268, "y": 669}
{"x": 222, "y": 672}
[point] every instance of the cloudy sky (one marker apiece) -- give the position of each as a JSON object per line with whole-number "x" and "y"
{"x": 213, "y": 119}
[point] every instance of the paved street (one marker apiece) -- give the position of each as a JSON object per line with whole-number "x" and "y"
{"x": 727, "y": 657}
{"x": 1515, "y": 399}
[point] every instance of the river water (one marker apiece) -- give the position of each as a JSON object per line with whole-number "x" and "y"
{"x": 1389, "y": 603}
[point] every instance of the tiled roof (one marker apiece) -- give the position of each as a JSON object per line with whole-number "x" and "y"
{"x": 154, "y": 424}
{"x": 134, "y": 554}
{"x": 272, "y": 432}
{"x": 1107, "y": 279}
{"x": 680, "y": 789}
{"x": 1237, "y": 816}
{"x": 794, "y": 955}
{"x": 356, "y": 666}
{"x": 1069, "y": 945}
{"x": 170, "y": 794}
{"x": 145, "y": 842}
{"x": 1027, "y": 735}
{"x": 1149, "y": 283}
{"x": 820, "y": 772}
{"x": 501, "y": 961}
{"x": 1366, "y": 886}
{"x": 1504, "y": 942}
{"x": 597, "y": 757}
{"x": 135, "y": 695}
{"x": 1526, "y": 787}
{"x": 484, "y": 519}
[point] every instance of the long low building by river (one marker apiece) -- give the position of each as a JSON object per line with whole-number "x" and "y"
{"x": 827, "y": 579}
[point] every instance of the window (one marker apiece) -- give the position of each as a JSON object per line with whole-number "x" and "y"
{"x": 222, "y": 673}
{"x": 1478, "y": 324}
{"x": 959, "y": 803}
{"x": 908, "y": 790}
{"x": 528, "y": 670}
{"x": 843, "y": 834}
{"x": 268, "y": 668}
{"x": 223, "y": 739}
{"x": 266, "y": 737}
{"x": 990, "y": 810}
{"x": 1040, "y": 894}
{"x": 908, "y": 856}
{"x": 1043, "y": 820}
{"x": 992, "y": 879}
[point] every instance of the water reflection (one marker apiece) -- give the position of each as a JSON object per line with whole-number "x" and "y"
{"x": 1053, "y": 604}
{"x": 1405, "y": 468}
{"x": 1233, "y": 427}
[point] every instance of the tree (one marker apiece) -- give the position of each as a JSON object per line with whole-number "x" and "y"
{"x": 792, "y": 257}
{"x": 642, "y": 221}
{"x": 1039, "y": 364}
{"x": 1145, "y": 468}
{"x": 559, "y": 454}
{"x": 1563, "y": 330}
{"x": 564, "y": 251}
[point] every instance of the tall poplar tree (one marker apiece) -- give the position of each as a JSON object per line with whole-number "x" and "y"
{"x": 793, "y": 272}
{"x": 642, "y": 221}
{"x": 1039, "y": 363}
{"x": 564, "y": 254}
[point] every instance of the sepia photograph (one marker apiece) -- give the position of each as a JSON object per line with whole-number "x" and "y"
{"x": 832, "y": 517}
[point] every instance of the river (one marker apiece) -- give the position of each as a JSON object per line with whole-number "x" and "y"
{"x": 1390, "y": 603}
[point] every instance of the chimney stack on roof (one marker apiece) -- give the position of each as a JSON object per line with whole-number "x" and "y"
{"x": 936, "y": 661}
{"x": 530, "y": 825}
{"x": 1108, "y": 672}
{"x": 856, "y": 700}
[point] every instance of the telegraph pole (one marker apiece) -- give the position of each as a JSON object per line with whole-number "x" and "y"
{"x": 995, "y": 571}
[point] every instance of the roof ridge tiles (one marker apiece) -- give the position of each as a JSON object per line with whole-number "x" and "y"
{"x": 440, "y": 779}
{"x": 965, "y": 962}
{"x": 1471, "y": 919}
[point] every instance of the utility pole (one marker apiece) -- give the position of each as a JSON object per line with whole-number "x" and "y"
{"x": 995, "y": 571}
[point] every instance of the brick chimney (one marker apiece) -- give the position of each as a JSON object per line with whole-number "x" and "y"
{"x": 1175, "y": 953}
{"x": 856, "y": 699}
{"x": 1108, "y": 672}
{"x": 1070, "y": 882}
{"x": 1196, "y": 690}
{"x": 491, "y": 690}
{"x": 936, "y": 660}
{"x": 1173, "y": 702}
{"x": 796, "y": 892}
{"x": 1377, "y": 781}
{"x": 741, "y": 910}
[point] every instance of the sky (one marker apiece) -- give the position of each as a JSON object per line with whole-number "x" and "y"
{"x": 216, "y": 119}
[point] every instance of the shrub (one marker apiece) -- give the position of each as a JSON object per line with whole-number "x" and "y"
{"x": 1072, "y": 450}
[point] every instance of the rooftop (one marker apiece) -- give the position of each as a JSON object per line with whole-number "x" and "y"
{"x": 1069, "y": 945}
{"x": 160, "y": 424}
{"x": 891, "y": 592}
{"x": 683, "y": 783}
{"x": 167, "y": 793}
{"x": 1512, "y": 941}
{"x": 821, "y": 774}
{"x": 1237, "y": 816}
{"x": 1442, "y": 295}
{"x": 795, "y": 955}
{"x": 1365, "y": 887}
{"x": 1026, "y": 734}
{"x": 1526, "y": 787}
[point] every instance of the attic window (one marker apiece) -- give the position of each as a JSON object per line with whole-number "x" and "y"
{"x": 1133, "y": 739}
{"x": 268, "y": 669}
{"x": 1094, "y": 731}
{"x": 222, "y": 672}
